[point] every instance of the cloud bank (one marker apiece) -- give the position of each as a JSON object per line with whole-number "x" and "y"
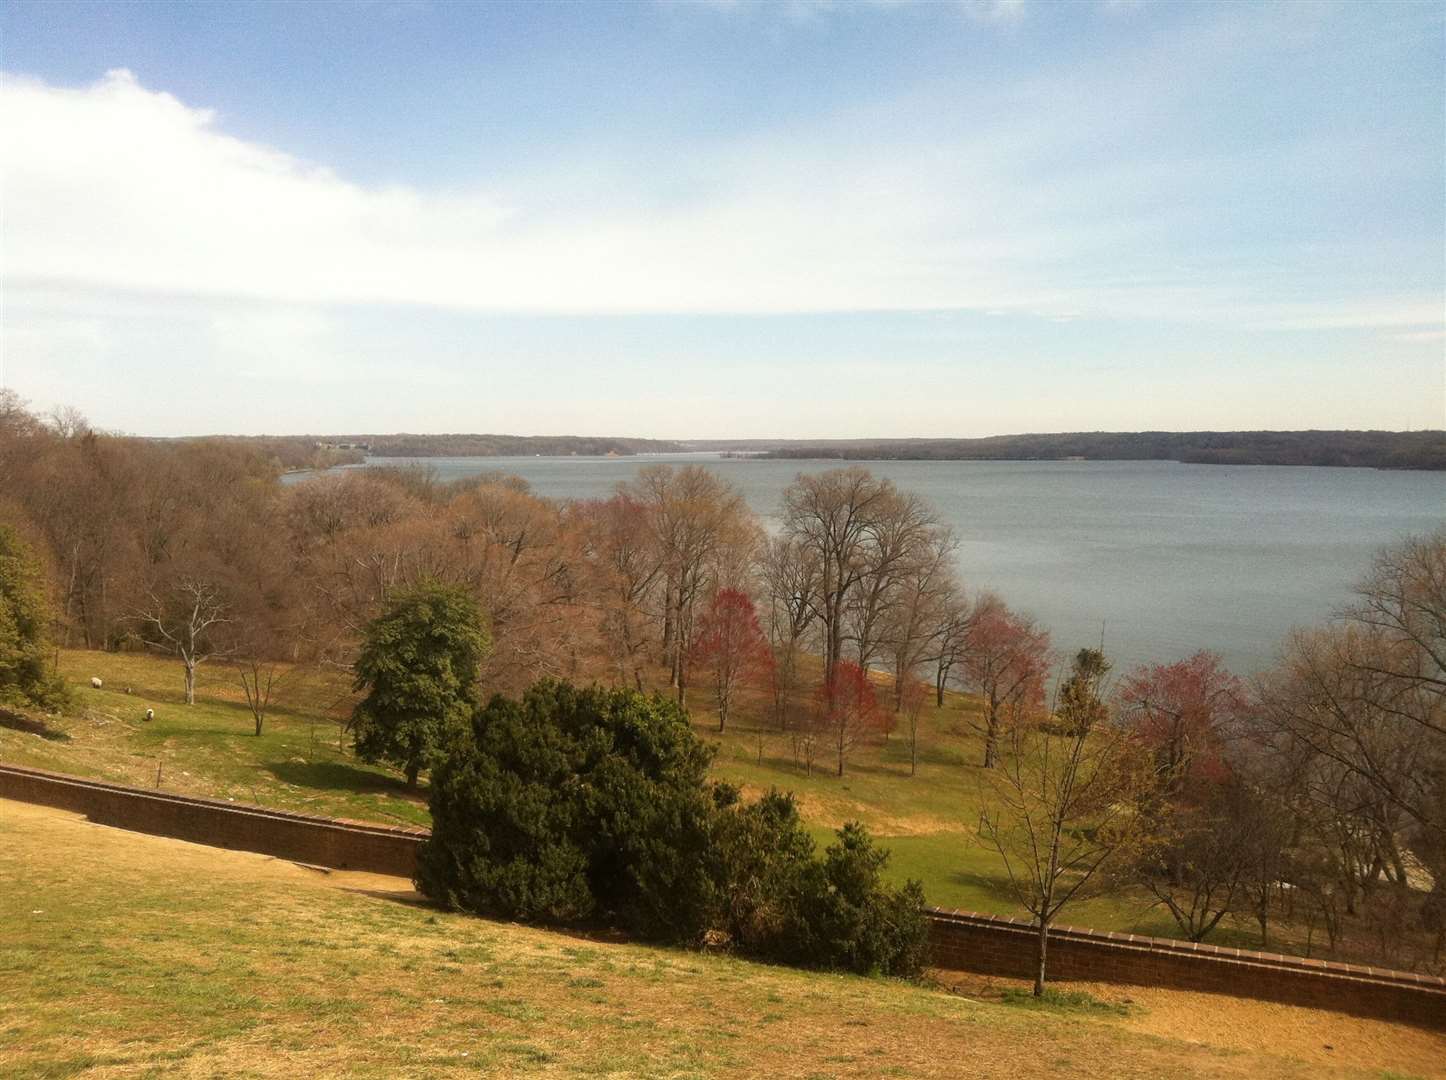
{"x": 115, "y": 187}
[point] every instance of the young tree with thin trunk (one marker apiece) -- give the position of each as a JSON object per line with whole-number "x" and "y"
{"x": 730, "y": 646}
{"x": 1082, "y": 697}
{"x": 846, "y": 707}
{"x": 1062, "y": 809}
{"x": 911, "y": 698}
{"x": 260, "y": 678}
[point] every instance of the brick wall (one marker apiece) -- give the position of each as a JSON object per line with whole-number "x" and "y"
{"x": 299, "y": 837}
{"x": 996, "y": 945}
{"x": 960, "y": 940}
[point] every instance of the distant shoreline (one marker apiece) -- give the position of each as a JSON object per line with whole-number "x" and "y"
{"x": 1414, "y": 450}
{"x": 1417, "y": 450}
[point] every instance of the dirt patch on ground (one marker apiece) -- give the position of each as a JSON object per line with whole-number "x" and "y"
{"x": 832, "y": 811}
{"x": 1317, "y": 1036}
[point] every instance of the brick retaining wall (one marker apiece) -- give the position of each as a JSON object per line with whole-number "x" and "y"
{"x": 997, "y": 945}
{"x": 299, "y": 837}
{"x": 960, "y": 940}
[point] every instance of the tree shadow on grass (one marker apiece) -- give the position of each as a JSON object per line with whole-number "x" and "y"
{"x": 340, "y": 776}
{"x": 30, "y": 726}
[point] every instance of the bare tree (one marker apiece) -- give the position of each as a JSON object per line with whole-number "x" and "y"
{"x": 836, "y": 516}
{"x": 260, "y": 679}
{"x": 184, "y": 620}
{"x": 694, "y": 517}
{"x": 1062, "y": 809}
{"x": 917, "y": 611}
{"x": 790, "y": 574}
{"x": 951, "y": 645}
{"x": 904, "y": 536}
{"x": 1197, "y": 859}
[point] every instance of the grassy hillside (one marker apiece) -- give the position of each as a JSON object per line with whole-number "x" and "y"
{"x": 127, "y": 955}
{"x": 210, "y": 749}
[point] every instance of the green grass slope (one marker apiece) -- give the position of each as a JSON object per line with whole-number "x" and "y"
{"x": 209, "y": 749}
{"x": 123, "y": 955}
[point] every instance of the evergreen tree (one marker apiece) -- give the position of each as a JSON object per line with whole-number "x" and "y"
{"x": 418, "y": 666}
{"x": 1081, "y": 699}
{"x": 23, "y": 615}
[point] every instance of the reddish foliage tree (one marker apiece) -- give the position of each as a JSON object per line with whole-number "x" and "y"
{"x": 1006, "y": 660}
{"x": 847, "y": 709}
{"x": 730, "y": 645}
{"x": 1181, "y": 713}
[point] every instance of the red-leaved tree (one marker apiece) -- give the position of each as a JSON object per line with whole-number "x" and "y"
{"x": 1005, "y": 661}
{"x": 1182, "y": 713}
{"x": 730, "y": 645}
{"x": 846, "y": 708}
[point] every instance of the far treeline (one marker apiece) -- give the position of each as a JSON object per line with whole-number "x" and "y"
{"x": 356, "y": 447}
{"x": 1363, "y": 449}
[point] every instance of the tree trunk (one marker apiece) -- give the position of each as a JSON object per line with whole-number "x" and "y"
{"x": 190, "y": 681}
{"x": 1040, "y": 950}
{"x": 412, "y": 771}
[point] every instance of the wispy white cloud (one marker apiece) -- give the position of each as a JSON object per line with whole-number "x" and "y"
{"x": 997, "y": 11}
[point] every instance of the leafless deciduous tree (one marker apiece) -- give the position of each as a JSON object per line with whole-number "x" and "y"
{"x": 1061, "y": 809}
{"x": 790, "y": 574}
{"x": 185, "y": 620}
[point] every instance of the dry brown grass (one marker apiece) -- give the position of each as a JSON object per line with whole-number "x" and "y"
{"x": 130, "y": 955}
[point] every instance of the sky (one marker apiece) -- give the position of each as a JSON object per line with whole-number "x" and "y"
{"x": 724, "y": 219}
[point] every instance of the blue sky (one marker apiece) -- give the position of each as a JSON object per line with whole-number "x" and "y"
{"x": 715, "y": 219}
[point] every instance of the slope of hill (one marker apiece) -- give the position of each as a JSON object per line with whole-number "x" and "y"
{"x": 129, "y": 955}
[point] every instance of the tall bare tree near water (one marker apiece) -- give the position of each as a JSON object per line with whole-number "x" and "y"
{"x": 694, "y": 516}
{"x": 917, "y": 614}
{"x": 791, "y": 577}
{"x": 837, "y": 516}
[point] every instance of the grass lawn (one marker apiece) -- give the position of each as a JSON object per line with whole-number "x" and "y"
{"x": 209, "y": 749}
{"x": 124, "y": 955}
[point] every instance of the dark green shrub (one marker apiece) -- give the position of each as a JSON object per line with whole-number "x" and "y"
{"x": 856, "y": 922}
{"x": 594, "y": 805}
{"x": 575, "y": 804}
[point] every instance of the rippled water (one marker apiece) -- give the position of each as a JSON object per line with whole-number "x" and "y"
{"x": 1161, "y": 558}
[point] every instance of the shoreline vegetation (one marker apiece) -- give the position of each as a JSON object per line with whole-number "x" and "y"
{"x": 1355, "y": 449}
{"x": 1418, "y": 450}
